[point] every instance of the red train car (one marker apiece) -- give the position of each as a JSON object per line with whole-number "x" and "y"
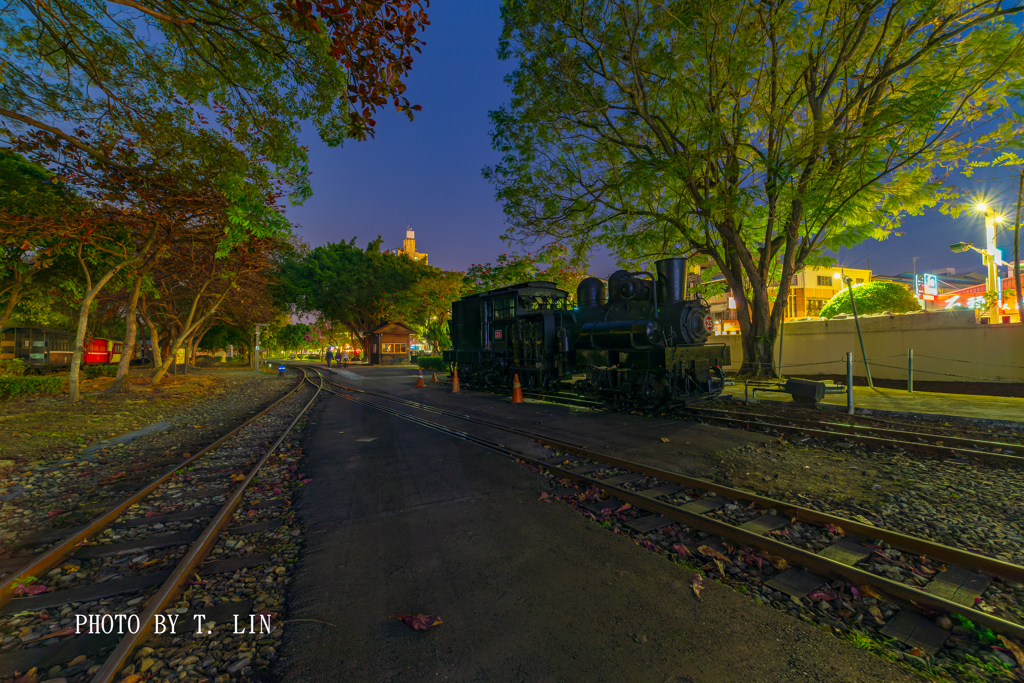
{"x": 103, "y": 351}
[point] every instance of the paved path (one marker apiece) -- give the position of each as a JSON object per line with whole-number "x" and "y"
{"x": 416, "y": 522}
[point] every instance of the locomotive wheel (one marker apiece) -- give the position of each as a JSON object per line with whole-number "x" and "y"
{"x": 651, "y": 394}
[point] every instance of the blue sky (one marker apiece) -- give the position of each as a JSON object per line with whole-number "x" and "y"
{"x": 426, "y": 174}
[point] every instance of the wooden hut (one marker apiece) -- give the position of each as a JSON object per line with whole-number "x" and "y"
{"x": 389, "y": 344}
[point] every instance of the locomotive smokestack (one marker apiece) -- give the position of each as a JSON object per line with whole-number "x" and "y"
{"x": 591, "y": 293}
{"x": 671, "y": 280}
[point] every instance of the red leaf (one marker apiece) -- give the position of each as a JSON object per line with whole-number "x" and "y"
{"x": 54, "y": 513}
{"x": 420, "y": 622}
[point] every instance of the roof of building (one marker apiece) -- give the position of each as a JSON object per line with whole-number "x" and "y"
{"x": 383, "y": 326}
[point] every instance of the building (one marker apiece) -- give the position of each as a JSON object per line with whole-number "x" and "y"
{"x": 389, "y": 344}
{"x": 809, "y": 290}
{"x": 409, "y": 248}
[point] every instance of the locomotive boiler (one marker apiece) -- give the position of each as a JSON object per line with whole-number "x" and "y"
{"x": 637, "y": 340}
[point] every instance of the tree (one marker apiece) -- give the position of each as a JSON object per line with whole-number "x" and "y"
{"x": 872, "y": 297}
{"x": 552, "y": 263}
{"x": 758, "y": 134}
{"x": 355, "y": 288}
{"x": 28, "y": 196}
{"x": 292, "y": 337}
{"x": 258, "y": 69}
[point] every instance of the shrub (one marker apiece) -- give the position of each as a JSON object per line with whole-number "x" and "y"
{"x": 313, "y": 356}
{"x": 435, "y": 363}
{"x": 24, "y": 386}
{"x": 872, "y": 297}
{"x": 14, "y": 367}
{"x": 103, "y": 370}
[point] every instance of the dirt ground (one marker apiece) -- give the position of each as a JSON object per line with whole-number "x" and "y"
{"x": 46, "y": 427}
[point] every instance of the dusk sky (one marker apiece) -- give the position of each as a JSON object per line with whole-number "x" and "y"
{"x": 426, "y": 173}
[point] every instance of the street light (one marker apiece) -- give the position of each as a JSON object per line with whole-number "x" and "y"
{"x": 990, "y": 257}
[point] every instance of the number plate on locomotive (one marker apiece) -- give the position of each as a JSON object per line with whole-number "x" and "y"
{"x": 497, "y": 334}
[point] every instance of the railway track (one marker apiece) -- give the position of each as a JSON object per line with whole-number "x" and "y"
{"x": 68, "y": 629}
{"x": 883, "y": 435}
{"x": 939, "y": 445}
{"x": 804, "y": 554}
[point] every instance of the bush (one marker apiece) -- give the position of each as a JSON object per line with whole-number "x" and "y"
{"x": 435, "y": 363}
{"x": 24, "y": 386}
{"x": 313, "y": 356}
{"x": 872, "y": 297}
{"x": 103, "y": 370}
{"x": 13, "y": 368}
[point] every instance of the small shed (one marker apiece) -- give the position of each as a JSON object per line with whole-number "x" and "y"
{"x": 389, "y": 344}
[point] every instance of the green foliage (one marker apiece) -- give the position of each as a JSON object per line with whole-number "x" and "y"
{"x": 553, "y": 263}
{"x": 292, "y": 337}
{"x": 983, "y": 634}
{"x": 14, "y": 367}
{"x": 100, "y": 370}
{"x": 356, "y": 288}
{"x": 11, "y": 387}
{"x": 872, "y": 297}
{"x": 437, "y": 335}
{"x": 435, "y": 363}
{"x": 312, "y": 356}
{"x": 759, "y": 135}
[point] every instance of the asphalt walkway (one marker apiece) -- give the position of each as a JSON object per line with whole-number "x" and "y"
{"x": 402, "y": 520}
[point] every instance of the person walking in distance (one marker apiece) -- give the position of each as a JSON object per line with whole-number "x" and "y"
{"x": 344, "y": 358}
{"x": 329, "y": 357}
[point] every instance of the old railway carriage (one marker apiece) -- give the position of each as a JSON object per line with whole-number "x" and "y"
{"x": 43, "y": 348}
{"x": 39, "y": 347}
{"x": 635, "y": 340}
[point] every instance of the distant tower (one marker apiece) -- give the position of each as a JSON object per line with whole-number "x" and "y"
{"x": 409, "y": 247}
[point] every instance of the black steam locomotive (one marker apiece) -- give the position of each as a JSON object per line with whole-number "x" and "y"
{"x": 639, "y": 340}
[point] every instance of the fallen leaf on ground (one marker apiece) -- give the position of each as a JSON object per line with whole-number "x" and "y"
{"x": 27, "y": 677}
{"x": 546, "y": 497}
{"x": 835, "y": 529}
{"x": 664, "y": 439}
{"x": 134, "y": 678}
{"x": 777, "y": 562}
{"x": 237, "y": 477}
{"x": 56, "y": 634}
{"x": 708, "y": 551}
{"x": 420, "y": 622}
{"x": 870, "y": 592}
{"x": 54, "y": 513}
{"x": 31, "y": 589}
{"x": 1014, "y": 648}
{"x": 681, "y": 549}
{"x": 698, "y": 586}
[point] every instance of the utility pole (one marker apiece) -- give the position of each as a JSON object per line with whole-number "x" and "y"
{"x": 256, "y": 353}
{"x": 1016, "y": 249}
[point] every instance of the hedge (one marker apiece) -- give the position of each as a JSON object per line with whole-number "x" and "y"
{"x": 435, "y": 363}
{"x": 23, "y": 386}
{"x": 872, "y": 297}
{"x": 14, "y": 367}
{"x": 104, "y": 370}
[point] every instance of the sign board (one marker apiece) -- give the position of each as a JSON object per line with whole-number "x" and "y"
{"x": 497, "y": 334}
{"x": 709, "y": 323}
{"x": 732, "y": 303}
{"x": 931, "y": 284}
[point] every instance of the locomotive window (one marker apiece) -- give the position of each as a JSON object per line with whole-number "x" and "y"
{"x": 505, "y": 308}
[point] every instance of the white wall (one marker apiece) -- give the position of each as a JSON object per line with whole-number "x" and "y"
{"x": 946, "y": 342}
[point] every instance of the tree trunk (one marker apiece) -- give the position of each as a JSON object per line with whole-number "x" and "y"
{"x": 120, "y": 384}
{"x": 13, "y": 300}
{"x": 154, "y": 337}
{"x": 187, "y": 329}
{"x": 74, "y": 392}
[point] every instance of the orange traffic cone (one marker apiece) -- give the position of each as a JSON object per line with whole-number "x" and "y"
{"x": 419, "y": 381}
{"x": 455, "y": 381}
{"x": 433, "y": 378}
{"x": 517, "y": 391}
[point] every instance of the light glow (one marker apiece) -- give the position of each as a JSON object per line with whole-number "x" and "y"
{"x": 980, "y": 206}
{"x": 836, "y": 275}
{"x": 997, "y": 219}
